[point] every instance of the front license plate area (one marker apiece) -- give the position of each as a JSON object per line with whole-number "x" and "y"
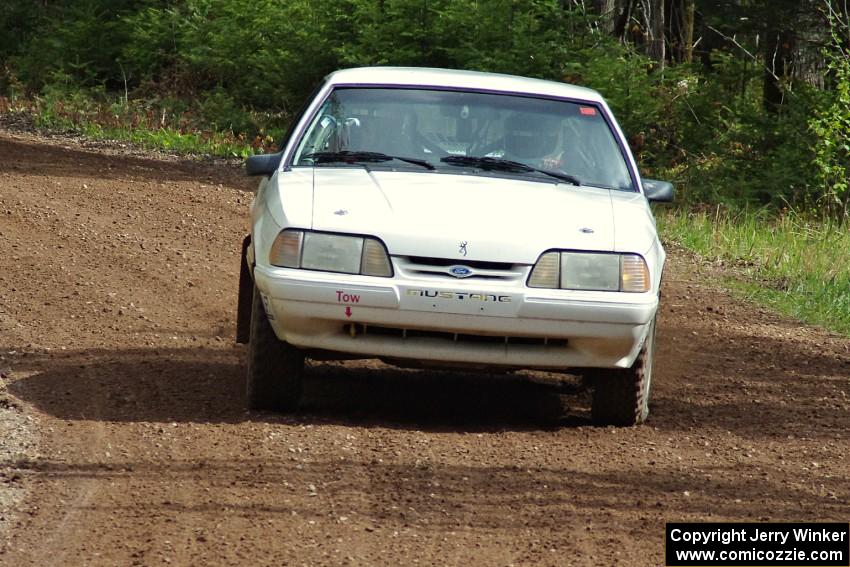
{"x": 459, "y": 302}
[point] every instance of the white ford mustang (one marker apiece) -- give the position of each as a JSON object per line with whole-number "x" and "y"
{"x": 429, "y": 217}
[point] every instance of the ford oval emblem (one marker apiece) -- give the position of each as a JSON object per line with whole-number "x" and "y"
{"x": 460, "y": 271}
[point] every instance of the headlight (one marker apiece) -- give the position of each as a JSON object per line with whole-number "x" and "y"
{"x": 599, "y": 272}
{"x": 330, "y": 253}
{"x": 591, "y": 271}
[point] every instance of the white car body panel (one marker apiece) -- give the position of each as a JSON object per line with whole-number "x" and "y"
{"x": 413, "y": 210}
{"x": 432, "y": 318}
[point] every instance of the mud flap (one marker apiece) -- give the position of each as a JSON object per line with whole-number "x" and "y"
{"x": 246, "y": 295}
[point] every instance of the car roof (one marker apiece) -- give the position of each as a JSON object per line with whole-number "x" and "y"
{"x": 450, "y": 78}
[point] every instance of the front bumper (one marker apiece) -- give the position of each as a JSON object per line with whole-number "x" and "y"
{"x": 455, "y": 322}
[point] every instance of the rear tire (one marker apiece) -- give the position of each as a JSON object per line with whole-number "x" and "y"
{"x": 621, "y": 396}
{"x": 275, "y": 368}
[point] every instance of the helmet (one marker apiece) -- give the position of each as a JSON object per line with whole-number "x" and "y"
{"x": 530, "y": 136}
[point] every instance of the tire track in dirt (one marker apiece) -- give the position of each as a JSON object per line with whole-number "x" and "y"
{"x": 123, "y": 357}
{"x": 52, "y": 550}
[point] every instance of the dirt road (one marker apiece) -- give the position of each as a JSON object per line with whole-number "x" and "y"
{"x": 131, "y": 444}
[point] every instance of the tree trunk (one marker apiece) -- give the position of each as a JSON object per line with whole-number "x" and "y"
{"x": 688, "y": 35}
{"x": 621, "y": 20}
{"x": 779, "y": 65}
{"x": 655, "y": 17}
{"x": 676, "y": 32}
{"x": 606, "y": 10}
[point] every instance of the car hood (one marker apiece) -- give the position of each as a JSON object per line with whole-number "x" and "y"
{"x": 432, "y": 214}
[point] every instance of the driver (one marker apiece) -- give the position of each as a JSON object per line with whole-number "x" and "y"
{"x": 393, "y": 132}
{"x": 534, "y": 139}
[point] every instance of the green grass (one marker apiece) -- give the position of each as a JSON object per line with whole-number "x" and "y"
{"x": 159, "y": 127}
{"x": 796, "y": 266}
{"x": 171, "y": 140}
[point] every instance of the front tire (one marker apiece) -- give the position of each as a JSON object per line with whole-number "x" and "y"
{"x": 275, "y": 368}
{"x": 244, "y": 305}
{"x": 621, "y": 396}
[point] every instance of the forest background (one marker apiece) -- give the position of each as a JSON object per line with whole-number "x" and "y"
{"x": 743, "y": 104}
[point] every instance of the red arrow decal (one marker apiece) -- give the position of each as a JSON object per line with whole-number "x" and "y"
{"x": 348, "y": 311}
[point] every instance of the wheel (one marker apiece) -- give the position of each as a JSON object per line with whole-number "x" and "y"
{"x": 275, "y": 368}
{"x": 621, "y": 396}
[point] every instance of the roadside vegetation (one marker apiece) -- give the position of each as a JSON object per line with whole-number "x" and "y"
{"x": 795, "y": 265}
{"x": 743, "y": 104}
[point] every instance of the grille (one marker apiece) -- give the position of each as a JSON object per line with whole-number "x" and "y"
{"x": 414, "y": 266}
{"x": 378, "y": 330}
{"x": 445, "y": 262}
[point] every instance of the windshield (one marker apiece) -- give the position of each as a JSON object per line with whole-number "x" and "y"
{"x": 551, "y": 135}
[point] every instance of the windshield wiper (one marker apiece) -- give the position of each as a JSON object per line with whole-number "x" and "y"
{"x": 498, "y": 164}
{"x": 348, "y": 156}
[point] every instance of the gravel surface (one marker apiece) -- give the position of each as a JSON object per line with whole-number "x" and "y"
{"x": 125, "y": 440}
{"x": 17, "y": 448}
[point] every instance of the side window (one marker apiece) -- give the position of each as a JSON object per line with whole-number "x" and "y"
{"x": 318, "y": 137}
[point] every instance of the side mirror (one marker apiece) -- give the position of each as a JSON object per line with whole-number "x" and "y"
{"x": 265, "y": 164}
{"x": 658, "y": 191}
